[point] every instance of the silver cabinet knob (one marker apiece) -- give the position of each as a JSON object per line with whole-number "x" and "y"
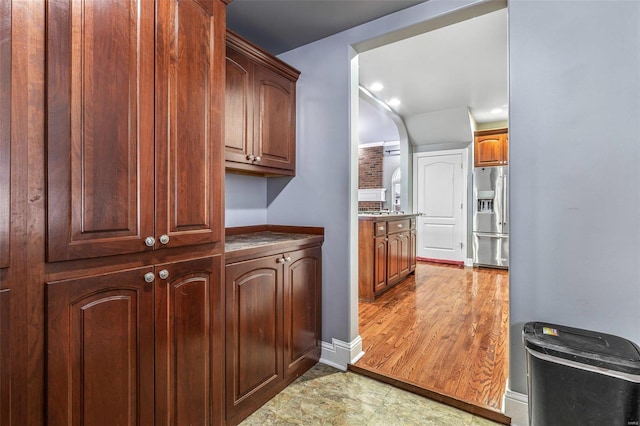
{"x": 150, "y": 241}
{"x": 258, "y": 158}
{"x": 400, "y": 225}
{"x": 163, "y": 274}
{"x": 149, "y": 277}
{"x": 250, "y": 157}
{"x": 288, "y": 258}
{"x": 280, "y": 260}
{"x": 164, "y": 239}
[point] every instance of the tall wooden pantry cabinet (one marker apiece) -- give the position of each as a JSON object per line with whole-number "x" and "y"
{"x": 116, "y": 233}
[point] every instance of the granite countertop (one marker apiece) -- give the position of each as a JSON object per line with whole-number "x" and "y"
{"x": 262, "y": 238}
{"x": 387, "y": 216}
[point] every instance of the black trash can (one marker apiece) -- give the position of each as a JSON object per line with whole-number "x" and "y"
{"x": 581, "y": 377}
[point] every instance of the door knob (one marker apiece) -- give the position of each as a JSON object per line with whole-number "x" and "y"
{"x": 150, "y": 241}
{"x": 164, "y": 239}
{"x": 288, "y": 258}
{"x": 280, "y": 260}
{"x": 258, "y": 158}
{"x": 149, "y": 277}
{"x": 250, "y": 157}
{"x": 163, "y": 274}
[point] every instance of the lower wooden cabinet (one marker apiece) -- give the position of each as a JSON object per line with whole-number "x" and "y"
{"x": 140, "y": 346}
{"x": 5, "y": 359}
{"x": 386, "y": 252}
{"x": 272, "y": 328}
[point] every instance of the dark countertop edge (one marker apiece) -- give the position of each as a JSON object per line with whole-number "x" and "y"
{"x": 376, "y": 217}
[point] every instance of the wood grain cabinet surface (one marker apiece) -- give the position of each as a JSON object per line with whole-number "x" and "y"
{"x": 272, "y": 324}
{"x": 134, "y": 125}
{"x": 386, "y": 252}
{"x": 5, "y": 130}
{"x": 5, "y": 358}
{"x": 134, "y": 294}
{"x": 260, "y": 111}
{"x": 491, "y": 148}
{"x": 132, "y": 347}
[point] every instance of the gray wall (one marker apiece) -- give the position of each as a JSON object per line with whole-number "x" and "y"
{"x": 245, "y": 200}
{"x": 574, "y": 139}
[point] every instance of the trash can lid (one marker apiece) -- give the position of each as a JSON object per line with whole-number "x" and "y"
{"x": 585, "y": 346}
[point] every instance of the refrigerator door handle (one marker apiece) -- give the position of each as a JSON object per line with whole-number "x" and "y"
{"x": 480, "y": 234}
{"x": 505, "y": 200}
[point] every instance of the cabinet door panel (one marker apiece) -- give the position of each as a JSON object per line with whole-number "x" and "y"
{"x": 100, "y": 339}
{"x": 380, "y": 264}
{"x": 404, "y": 257}
{"x": 488, "y": 150}
{"x": 302, "y": 283}
{"x": 190, "y": 93}
{"x": 276, "y": 126}
{"x": 189, "y": 351}
{"x": 254, "y": 330}
{"x": 393, "y": 261}
{"x": 99, "y": 127}
{"x": 412, "y": 250}
{"x": 5, "y": 129}
{"x": 238, "y": 107}
{"x": 5, "y": 359}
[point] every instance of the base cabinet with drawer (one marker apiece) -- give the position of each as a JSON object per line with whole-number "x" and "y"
{"x": 386, "y": 252}
{"x": 272, "y": 325}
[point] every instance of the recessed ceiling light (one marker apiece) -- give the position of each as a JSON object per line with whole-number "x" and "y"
{"x": 376, "y": 87}
{"x": 496, "y": 111}
{"x": 394, "y": 102}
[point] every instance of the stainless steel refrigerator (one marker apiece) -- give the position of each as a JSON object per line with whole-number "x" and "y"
{"x": 491, "y": 216}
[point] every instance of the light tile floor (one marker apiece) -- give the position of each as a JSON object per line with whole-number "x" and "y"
{"x": 326, "y": 396}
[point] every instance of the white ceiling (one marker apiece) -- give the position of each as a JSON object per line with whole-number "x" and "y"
{"x": 461, "y": 65}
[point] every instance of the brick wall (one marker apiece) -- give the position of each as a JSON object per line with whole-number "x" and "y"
{"x": 370, "y": 174}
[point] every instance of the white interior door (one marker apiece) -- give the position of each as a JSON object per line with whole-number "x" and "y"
{"x": 439, "y": 191}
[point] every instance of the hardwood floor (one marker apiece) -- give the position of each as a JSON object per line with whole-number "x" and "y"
{"x": 444, "y": 334}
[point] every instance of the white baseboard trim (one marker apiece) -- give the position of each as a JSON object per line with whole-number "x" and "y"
{"x": 468, "y": 262}
{"x": 516, "y": 406}
{"x": 339, "y": 354}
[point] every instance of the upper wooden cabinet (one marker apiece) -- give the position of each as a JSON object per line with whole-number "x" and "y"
{"x": 5, "y": 129}
{"x": 134, "y": 125}
{"x": 491, "y": 147}
{"x": 260, "y": 111}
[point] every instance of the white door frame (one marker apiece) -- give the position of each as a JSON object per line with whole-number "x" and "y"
{"x": 465, "y": 173}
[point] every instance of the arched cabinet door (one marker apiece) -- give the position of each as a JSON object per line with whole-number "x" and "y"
{"x": 276, "y": 121}
{"x": 189, "y": 343}
{"x": 302, "y": 306}
{"x": 100, "y": 349}
{"x": 253, "y": 334}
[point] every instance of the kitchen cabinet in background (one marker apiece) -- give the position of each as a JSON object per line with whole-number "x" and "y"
{"x": 491, "y": 147}
{"x": 273, "y": 301}
{"x": 386, "y": 252}
{"x": 260, "y": 111}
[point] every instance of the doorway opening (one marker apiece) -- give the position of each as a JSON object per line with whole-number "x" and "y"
{"x": 443, "y": 331}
